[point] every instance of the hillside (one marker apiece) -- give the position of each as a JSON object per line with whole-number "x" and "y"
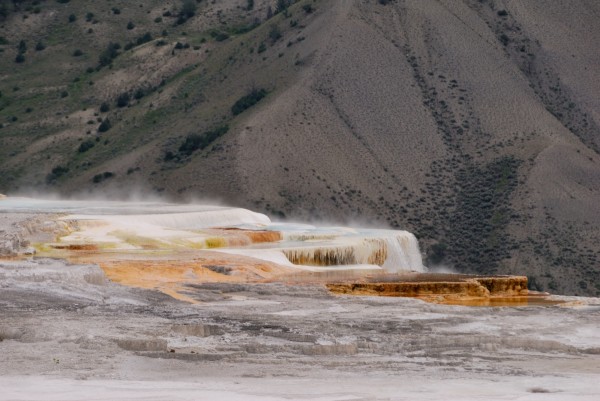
{"x": 474, "y": 124}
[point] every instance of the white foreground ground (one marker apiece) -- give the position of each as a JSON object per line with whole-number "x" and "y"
{"x": 68, "y": 334}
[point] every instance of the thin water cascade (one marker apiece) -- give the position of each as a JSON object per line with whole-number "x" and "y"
{"x": 403, "y": 253}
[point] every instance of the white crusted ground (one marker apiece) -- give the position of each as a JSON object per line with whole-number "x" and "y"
{"x": 68, "y": 334}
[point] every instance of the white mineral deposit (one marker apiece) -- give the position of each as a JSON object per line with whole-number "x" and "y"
{"x": 146, "y": 301}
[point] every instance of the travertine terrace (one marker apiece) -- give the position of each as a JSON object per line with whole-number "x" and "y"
{"x": 168, "y": 247}
{"x": 97, "y": 303}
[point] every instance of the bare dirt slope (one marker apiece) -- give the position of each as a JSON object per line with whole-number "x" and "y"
{"x": 474, "y": 123}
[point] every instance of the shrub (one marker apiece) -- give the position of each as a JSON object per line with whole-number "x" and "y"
{"x": 533, "y": 284}
{"x": 104, "y": 125}
{"x": 77, "y": 53}
{"x": 22, "y": 48}
{"x": 56, "y": 173}
{"x": 502, "y": 13}
{"x": 39, "y": 46}
{"x": 249, "y": 5}
{"x": 194, "y": 142}
{"x": 308, "y": 8}
{"x": 20, "y": 58}
{"x": 116, "y": 11}
{"x": 274, "y": 33}
{"x": 130, "y": 25}
{"x": 262, "y": 47}
{"x": 72, "y": 18}
{"x": 104, "y": 107}
{"x": 245, "y": 102}
{"x": 281, "y": 6}
{"x": 145, "y": 38}
{"x": 101, "y": 177}
{"x": 169, "y": 156}
{"x": 504, "y": 39}
{"x": 85, "y": 146}
{"x": 158, "y": 20}
{"x": 64, "y": 94}
{"x": 139, "y": 93}
{"x": 188, "y": 10}
{"x": 438, "y": 253}
{"x": 89, "y": 17}
{"x": 109, "y": 54}
{"x": 123, "y": 99}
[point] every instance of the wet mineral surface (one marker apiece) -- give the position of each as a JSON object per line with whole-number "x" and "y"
{"x": 85, "y": 318}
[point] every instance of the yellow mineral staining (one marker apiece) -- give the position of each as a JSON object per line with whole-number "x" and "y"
{"x": 216, "y": 242}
